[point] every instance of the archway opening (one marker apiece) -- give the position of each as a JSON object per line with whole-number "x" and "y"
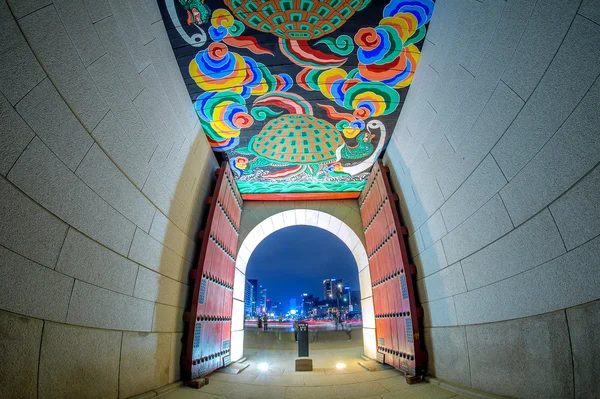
{"x": 302, "y": 273}
{"x": 328, "y": 224}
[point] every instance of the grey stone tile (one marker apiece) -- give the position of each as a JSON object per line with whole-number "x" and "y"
{"x": 102, "y": 176}
{"x": 360, "y": 390}
{"x": 88, "y": 261}
{"x": 78, "y": 25}
{"x": 482, "y": 185}
{"x": 154, "y": 287}
{"x": 546, "y": 28}
{"x": 448, "y": 354}
{"x": 155, "y": 189}
{"x": 52, "y": 120}
{"x": 493, "y": 62}
{"x": 151, "y": 253}
{"x": 114, "y": 43}
{"x": 572, "y": 72}
{"x": 257, "y": 391}
{"x": 568, "y": 156}
{"x": 507, "y": 35}
{"x": 176, "y": 352}
{"x": 590, "y": 9}
{"x": 19, "y": 70}
{"x": 107, "y": 80}
{"x": 539, "y": 290}
{"x": 415, "y": 244}
{"x": 14, "y": 138}
{"x": 33, "y": 290}
{"x": 121, "y": 149}
{"x": 440, "y": 313}
{"x": 27, "y": 228}
{"x": 167, "y": 318}
{"x": 584, "y": 324}
{"x": 431, "y": 260}
{"x": 144, "y": 362}
{"x": 447, "y": 282}
{"x": 529, "y": 245}
{"x": 142, "y": 20}
{"x": 479, "y": 32}
{"x": 171, "y": 236}
{"x": 455, "y": 39}
{"x": 166, "y": 67}
{"x": 422, "y": 391}
{"x": 23, "y": 7}
{"x": 577, "y": 212}
{"x": 309, "y": 392}
{"x": 20, "y": 346}
{"x": 448, "y": 97}
{"x": 430, "y": 198}
{"x": 76, "y": 360}
{"x": 493, "y": 121}
{"x": 188, "y": 393}
{"x": 147, "y": 109}
{"x": 489, "y": 223}
{"x": 433, "y": 229}
{"x": 130, "y": 33}
{"x": 53, "y": 47}
{"x": 152, "y": 10}
{"x": 93, "y": 306}
{"x": 45, "y": 179}
{"x": 98, "y": 9}
{"x": 544, "y": 340}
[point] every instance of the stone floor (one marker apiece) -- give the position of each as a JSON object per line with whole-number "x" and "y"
{"x": 281, "y": 381}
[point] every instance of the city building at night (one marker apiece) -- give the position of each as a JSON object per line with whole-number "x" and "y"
{"x": 248, "y": 299}
{"x": 254, "y": 284}
{"x": 332, "y": 287}
{"x": 262, "y": 300}
{"x": 308, "y": 302}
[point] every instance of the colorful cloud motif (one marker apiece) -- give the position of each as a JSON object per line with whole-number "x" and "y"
{"x": 387, "y": 52}
{"x": 387, "y": 58}
{"x": 228, "y": 80}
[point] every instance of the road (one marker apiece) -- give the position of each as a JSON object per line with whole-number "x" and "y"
{"x": 312, "y": 325}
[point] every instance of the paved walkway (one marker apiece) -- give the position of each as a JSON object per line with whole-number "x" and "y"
{"x": 281, "y": 381}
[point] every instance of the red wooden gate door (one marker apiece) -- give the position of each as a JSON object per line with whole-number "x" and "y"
{"x": 396, "y": 311}
{"x": 208, "y": 318}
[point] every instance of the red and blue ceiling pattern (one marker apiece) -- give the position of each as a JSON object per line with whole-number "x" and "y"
{"x": 298, "y": 95}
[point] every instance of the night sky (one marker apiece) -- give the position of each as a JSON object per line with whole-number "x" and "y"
{"x": 297, "y": 259}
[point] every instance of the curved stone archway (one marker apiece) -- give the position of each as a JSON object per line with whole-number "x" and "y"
{"x": 302, "y": 217}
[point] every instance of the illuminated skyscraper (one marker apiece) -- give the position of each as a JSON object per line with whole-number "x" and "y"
{"x": 254, "y": 284}
{"x": 331, "y": 286}
{"x": 248, "y": 295}
{"x": 262, "y": 299}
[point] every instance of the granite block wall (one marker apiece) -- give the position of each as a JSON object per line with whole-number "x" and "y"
{"x": 104, "y": 171}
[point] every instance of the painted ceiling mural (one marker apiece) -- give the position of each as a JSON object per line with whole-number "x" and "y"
{"x": 298, "y": 95}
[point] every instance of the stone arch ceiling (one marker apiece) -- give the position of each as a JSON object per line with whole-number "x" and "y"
{"x": 298, "y": 95}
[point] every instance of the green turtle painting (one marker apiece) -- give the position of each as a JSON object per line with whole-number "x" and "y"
{"x": 302, "y": 143}
{"x": 197, "y": 11}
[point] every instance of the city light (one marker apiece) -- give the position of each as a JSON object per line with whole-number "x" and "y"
{"x": 292, "y": 311}
{"x": 339, "y": 286}
{"x": 340, "y": 366}
{"x": 265, "y": 366}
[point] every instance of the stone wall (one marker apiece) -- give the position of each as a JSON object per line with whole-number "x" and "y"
{"x": 495, "y": 157}
{"x": 104, "y": 172}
